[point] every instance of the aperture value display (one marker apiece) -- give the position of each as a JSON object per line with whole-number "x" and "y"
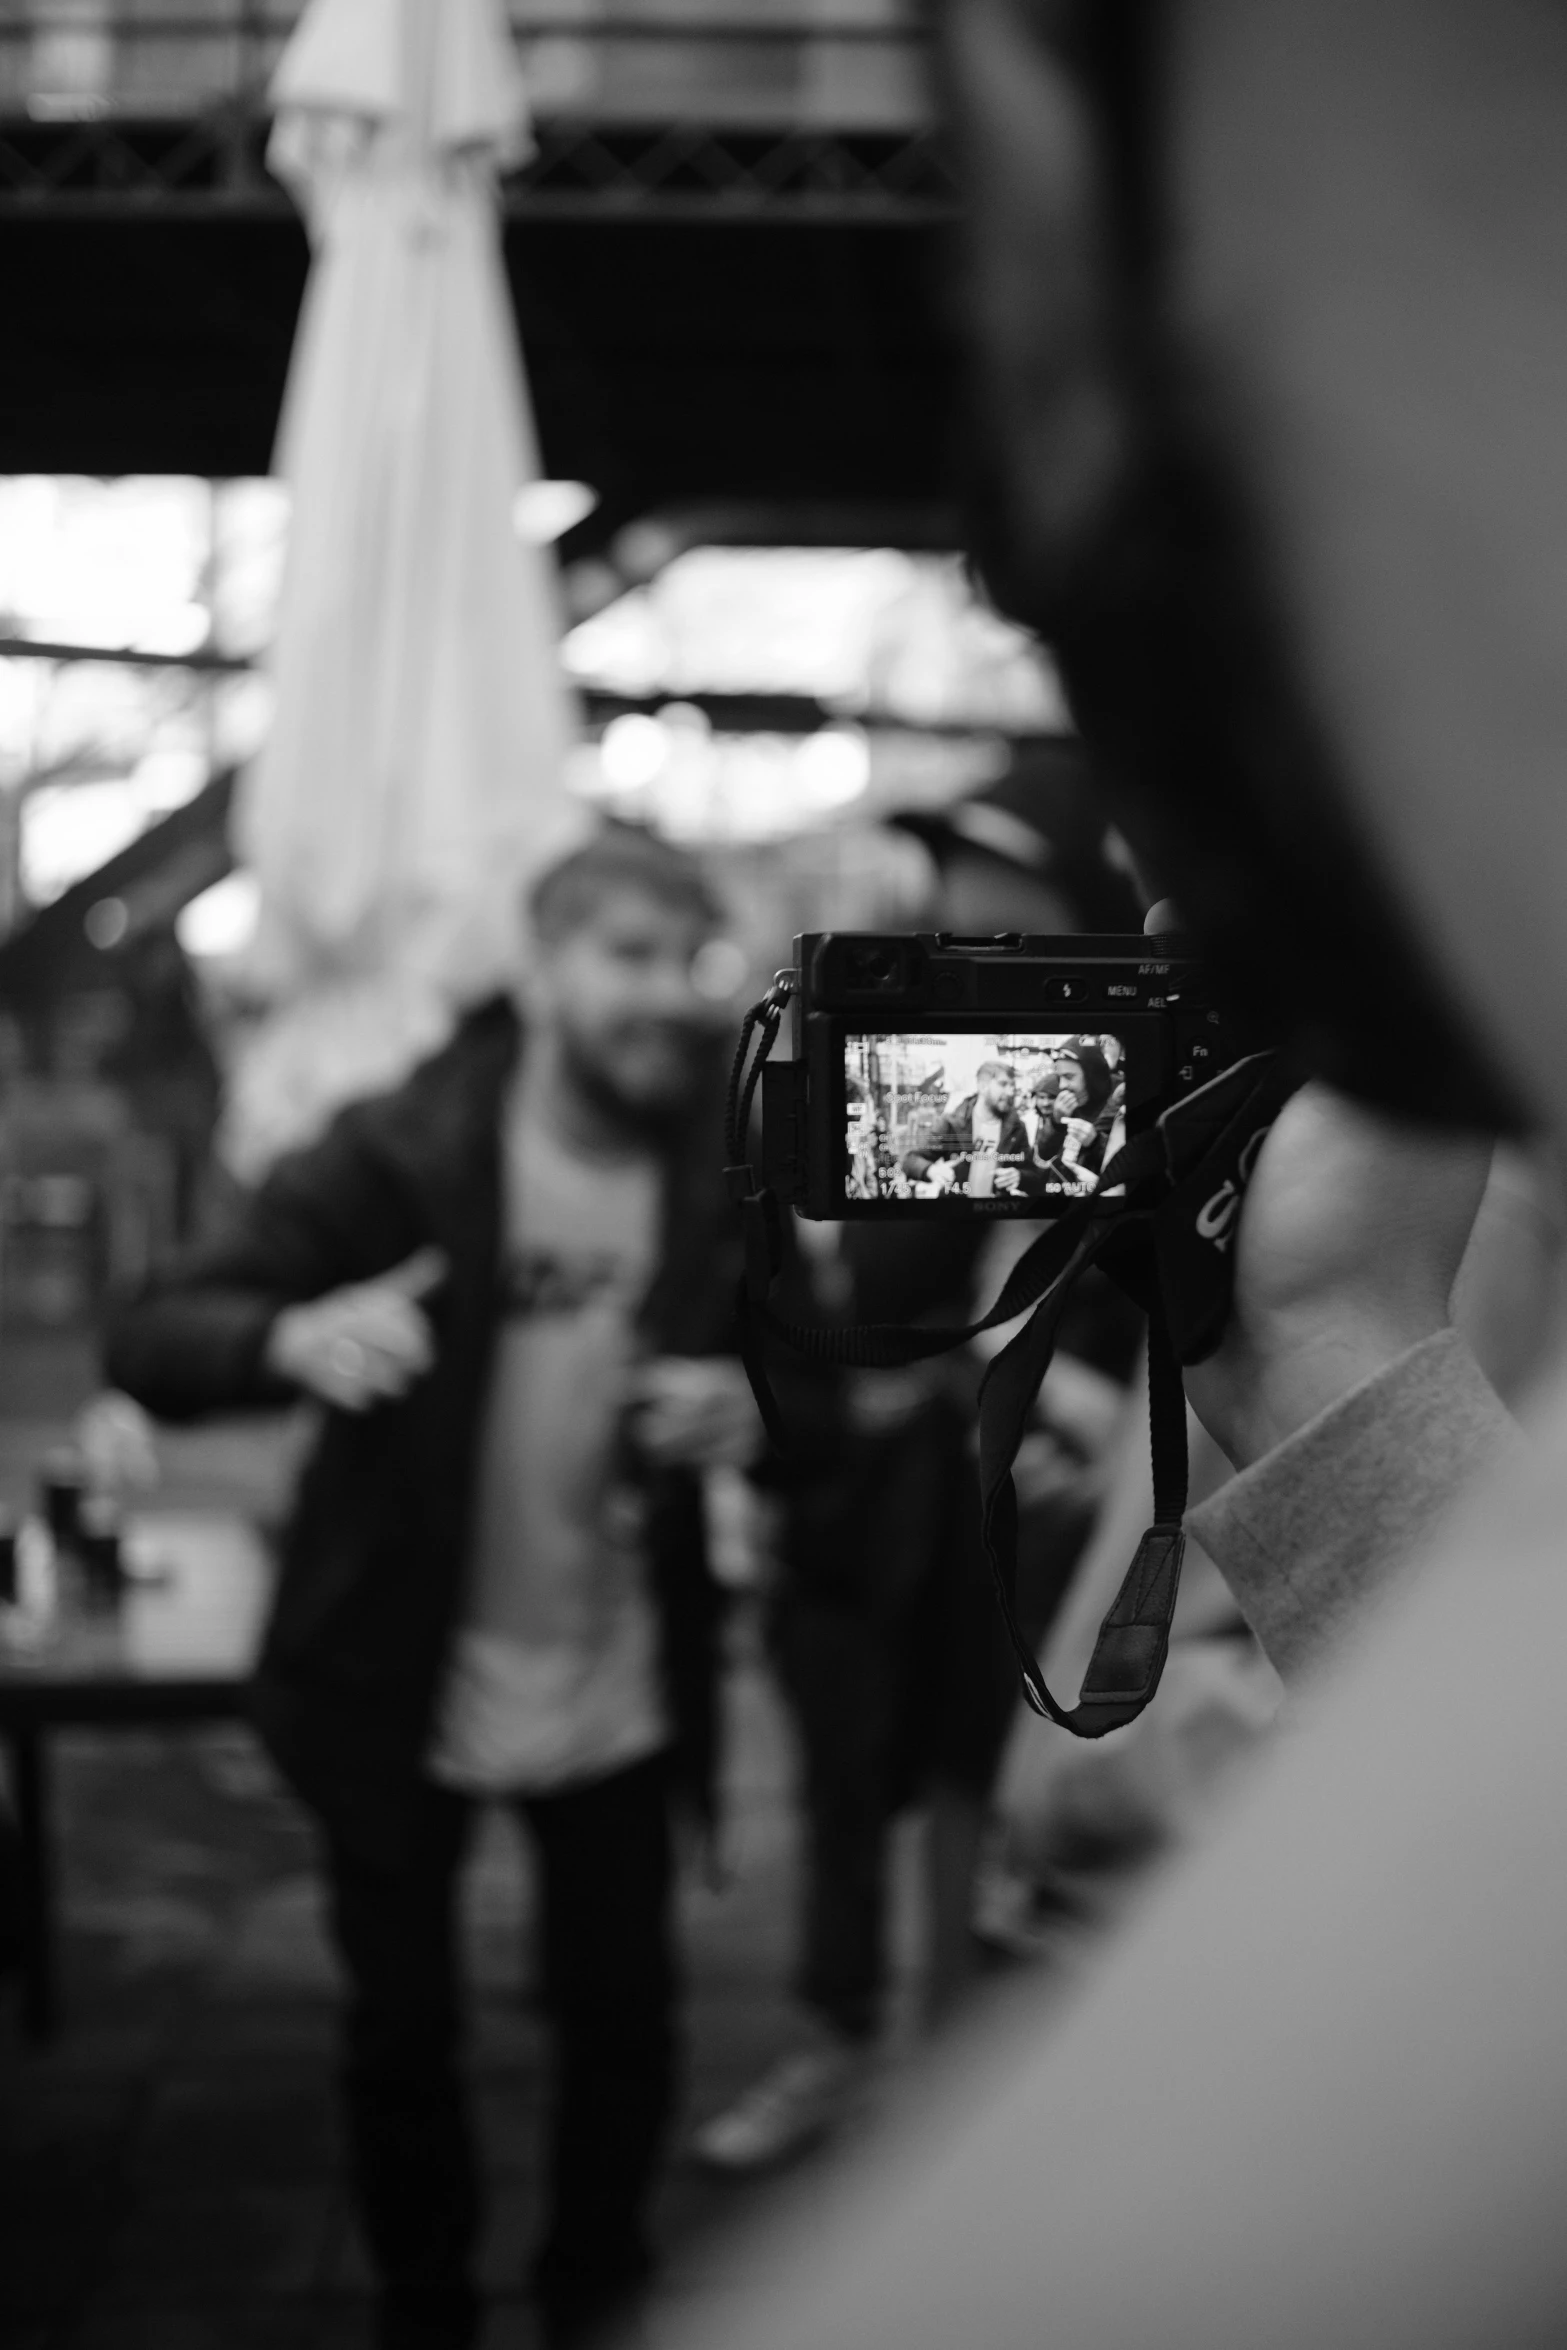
{"x": 960, "y": 1116}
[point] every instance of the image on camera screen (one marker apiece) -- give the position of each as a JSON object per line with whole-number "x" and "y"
{"x": 966, "y": 1117}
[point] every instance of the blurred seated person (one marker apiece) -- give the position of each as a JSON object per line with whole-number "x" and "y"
{"x": 890, "y": 1654}
{"x": 164, "y": 1062}
{"x": 884, "y": 1628}
{"x": 980, "y": 1145}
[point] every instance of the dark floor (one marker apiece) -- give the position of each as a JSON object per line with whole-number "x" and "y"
{"x": 171, "y": 2176}
{"x": 170, "y": 2172}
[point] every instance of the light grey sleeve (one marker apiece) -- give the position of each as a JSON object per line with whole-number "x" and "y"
{"x": 1310, "y": 1534}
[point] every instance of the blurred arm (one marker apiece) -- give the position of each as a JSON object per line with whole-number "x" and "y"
{"x": 195, "y": 1339}
{"x": 1310, "y": 1533}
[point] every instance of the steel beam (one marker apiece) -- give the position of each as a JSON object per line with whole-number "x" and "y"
{"x": 215, "y": 169}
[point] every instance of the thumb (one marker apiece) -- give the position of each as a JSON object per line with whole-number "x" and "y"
{"x": 417, "y": 1276}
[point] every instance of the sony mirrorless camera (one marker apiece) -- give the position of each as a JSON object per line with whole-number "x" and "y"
{"x": 940, "y": 1076}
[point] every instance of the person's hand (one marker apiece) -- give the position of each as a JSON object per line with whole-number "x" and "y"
{"x": 1008, "y": 1179}
{"x": 118, "y": 1443}
{"x": 364, "y": 1345}
{"x": 1348, "y": 1246}
{"x": 941, "y": 1174}
{"x": 1079, "y": 1134}
{"x": 695, "y": 1412}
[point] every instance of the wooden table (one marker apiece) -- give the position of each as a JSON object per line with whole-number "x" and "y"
{"x": 178, "y": 1649}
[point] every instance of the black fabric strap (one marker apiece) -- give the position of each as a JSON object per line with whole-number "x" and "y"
{"x": 885, "y": 1346}
{"x": 761, "y": 1217}
{"x": 1134, "y": 1638}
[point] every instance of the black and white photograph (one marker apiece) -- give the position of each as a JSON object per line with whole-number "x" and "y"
{"x": 783, "y": 1174}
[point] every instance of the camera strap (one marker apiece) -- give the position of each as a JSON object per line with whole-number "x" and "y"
{"x": 1167, "y": 1242}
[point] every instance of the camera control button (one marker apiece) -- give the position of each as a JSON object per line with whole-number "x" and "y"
{"x": 1065, "y": 991}
{"x": 1196, "y": 1053}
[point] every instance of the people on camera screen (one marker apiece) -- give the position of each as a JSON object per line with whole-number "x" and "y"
{"x": 1040, "y": 1118}
{"x": 981, "y": 1145}
{"x": 1076, "y": 1105}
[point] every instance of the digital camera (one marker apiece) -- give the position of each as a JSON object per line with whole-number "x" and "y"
{"x": 940, "y": 1076}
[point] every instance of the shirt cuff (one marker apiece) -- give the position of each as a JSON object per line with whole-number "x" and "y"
{"x": 1310, "y": 1534}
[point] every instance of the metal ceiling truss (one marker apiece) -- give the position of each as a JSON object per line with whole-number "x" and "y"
{"x": 214, "y": 168}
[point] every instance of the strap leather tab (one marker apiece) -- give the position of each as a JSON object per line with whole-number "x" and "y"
{"x": 1134, "y": 1639}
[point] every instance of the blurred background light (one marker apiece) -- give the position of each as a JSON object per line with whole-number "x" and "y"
{"x": 905, "y": 686}
{"x": 222, "y": 921}
{"x": 679, "y": 774}
{"x": 106, "y": 923}
{"x": 170, "y": 776}
{"x": 543, "y": 511}
{"x": 106, "y": 562}
{"x": 833, "y": 767}
{"x": 719, "y": 970}
{"x": 634, "y": 751}
{"x": 869, "y": 632}
{"x": 70, "y": 829}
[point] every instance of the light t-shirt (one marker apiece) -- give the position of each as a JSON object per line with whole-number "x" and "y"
{"x": 985, "y": 1126}
{"x": 553, "y": 1676}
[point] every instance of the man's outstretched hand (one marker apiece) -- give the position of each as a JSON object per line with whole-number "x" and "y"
{"x": 695, "y": 1412}
{"x": 364, "y": 1345}
{"x": 1349, "y": 1244}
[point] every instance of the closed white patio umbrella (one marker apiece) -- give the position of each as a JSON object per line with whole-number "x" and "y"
{"x": 414, "y": 768}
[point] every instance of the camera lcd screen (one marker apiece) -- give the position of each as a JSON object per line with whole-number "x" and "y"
{"x": 1011, "y": 1119}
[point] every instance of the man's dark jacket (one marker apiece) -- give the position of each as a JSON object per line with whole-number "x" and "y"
{"x": 374, "y": 1553}
{"x": 953, "y": 1138}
